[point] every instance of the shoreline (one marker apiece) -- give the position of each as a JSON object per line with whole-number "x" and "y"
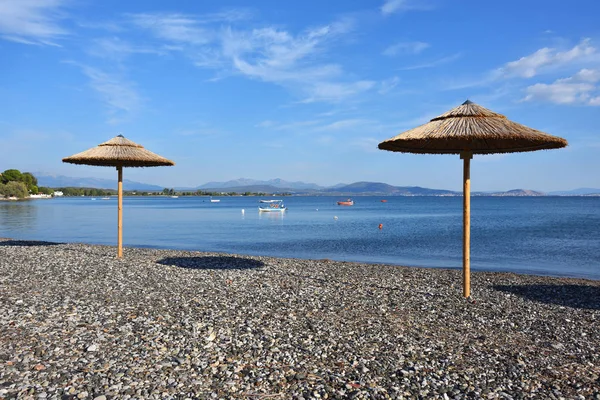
{"x": 76, "y": 321}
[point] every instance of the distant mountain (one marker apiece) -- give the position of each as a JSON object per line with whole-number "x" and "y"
{"x": 358, "y": 188}
{"x": 243, "y": 182}
{"x": 575, "y": 192}
{"x": 56, "y": 181}
{"x": 277, "y": 185}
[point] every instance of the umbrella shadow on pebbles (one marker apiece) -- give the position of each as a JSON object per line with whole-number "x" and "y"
{"x": 212, "y": 262}
{"x": 27, "y": 243}
{"x": 575, "y": 296}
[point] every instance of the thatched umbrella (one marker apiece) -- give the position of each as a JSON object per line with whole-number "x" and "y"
{"x": 466, "y": 130}
{"x": 119, "y": 152}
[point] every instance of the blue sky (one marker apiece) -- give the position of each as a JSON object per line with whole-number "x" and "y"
{"x": 297, "y": 90}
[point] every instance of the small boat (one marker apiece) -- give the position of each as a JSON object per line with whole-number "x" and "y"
{"x": 215, "y": 200}
{"x": 93, "y": 198}
{"x": 348, "y": 202}
{"x": 274, "y": 206}
{"x": 384, "y": 201}
{"x": 106, "y": 198}
{"x": 174, "y": 197}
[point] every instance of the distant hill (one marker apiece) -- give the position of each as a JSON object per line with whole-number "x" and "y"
{"x": 243, "y": 182}
{"x": 385, "y": 189}
{"x": 254, "y": 189}
{"x": 516, "y": 192}
{"x": 56, "y": 181}
{"x": 576, "y": 192}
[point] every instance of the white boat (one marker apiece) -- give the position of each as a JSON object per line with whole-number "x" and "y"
{"x": 274, "y": 206}
{"x": 215, "y": 200}
{"x": 174, "y": 197}
{"x": 106, "y": 198}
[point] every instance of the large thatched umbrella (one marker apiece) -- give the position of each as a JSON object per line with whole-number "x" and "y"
{"x": 119, "y": 152}
{"x": 466, "y": 130}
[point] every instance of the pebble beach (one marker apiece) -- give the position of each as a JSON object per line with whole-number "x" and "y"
{"x": 78, "y": 323}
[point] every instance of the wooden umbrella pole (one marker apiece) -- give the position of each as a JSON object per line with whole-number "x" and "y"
{"x": 466, "y": 157}
{"x": 120, "y": 223}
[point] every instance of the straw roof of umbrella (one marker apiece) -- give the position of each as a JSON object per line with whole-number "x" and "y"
{"x": 119, "y": 151}
{"x": 471, "y": 127}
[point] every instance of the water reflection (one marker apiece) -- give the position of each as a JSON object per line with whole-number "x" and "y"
{"x": 17, "y": 216}
{"x": 275, "y": 216}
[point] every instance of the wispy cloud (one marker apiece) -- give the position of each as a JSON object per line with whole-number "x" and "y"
{"x": 289, "y": 126}
{"x": 202, "y": 129}
{"x": 388, "y": 85}
{"x": 119, "y": 95}
{"x": 31, "y": 21}
{"x": 270, "y": 54}
{"x": 174, "y": 27}
{"x": 345, "y": 124}
{"x": 397, "y": 6}
{"x": 336, "y": 91}
{"x": 547, "y": 58}
{"x": 367, "y": 144}
{"x": 434, "y": 63}
{"x": 116, "y": 48}
{"x": 581, "y": 88}
{"x": 405, "y": 48}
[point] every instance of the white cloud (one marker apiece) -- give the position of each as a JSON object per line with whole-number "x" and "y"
{"x": 545, "y": 58}
{"x": 396, "y": 6}
{"x": 577, "y": 89}
{"x": 405, "y": 48}
{"x": 559, "y": 92}
{"x": 31, "y": 21}
{"x": 588, "y": 75}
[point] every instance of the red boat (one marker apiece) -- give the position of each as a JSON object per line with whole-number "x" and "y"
{"x": 348, "y": 202}
{"x": 384, "y": 201}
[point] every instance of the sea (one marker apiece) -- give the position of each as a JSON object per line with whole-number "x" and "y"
{"x": 555, "y": 236}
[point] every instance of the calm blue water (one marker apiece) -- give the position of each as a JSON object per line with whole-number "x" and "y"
{"x": 541, "y": 235}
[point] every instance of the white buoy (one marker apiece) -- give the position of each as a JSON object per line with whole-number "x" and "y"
{"x": 335, "y": 217}
{"x": 243, "y": 211}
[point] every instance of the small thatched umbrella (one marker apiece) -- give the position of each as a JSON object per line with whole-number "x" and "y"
{"x": 466, "y": 130}
{"x": 119, "y": 152}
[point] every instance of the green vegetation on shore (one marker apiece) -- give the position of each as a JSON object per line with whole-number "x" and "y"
{"x": 14, "y": 183}
{"x": 81, "y": 191}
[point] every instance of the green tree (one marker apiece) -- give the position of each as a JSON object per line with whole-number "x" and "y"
{"x": 14, "y": 189}
{"x": 45, "y": 190}
{"x": 34, "y": 190}
{"x": 29, "y": 180}
{"x": 12, "y": 175}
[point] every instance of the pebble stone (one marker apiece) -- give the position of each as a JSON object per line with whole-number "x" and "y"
{"x": 78, "y": 323}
